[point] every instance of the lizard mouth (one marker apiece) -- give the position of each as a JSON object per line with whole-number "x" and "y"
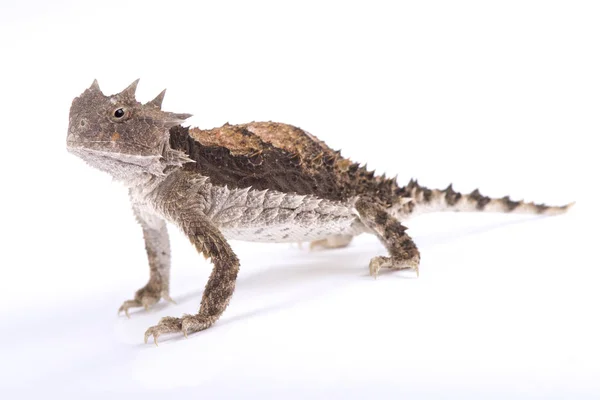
{"x": 132, "y": 159}
{"x": 125, "y": 163}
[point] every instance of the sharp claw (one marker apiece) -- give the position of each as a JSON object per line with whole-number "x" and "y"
{"x": 127, "y": 313}
{"x": 154, "y": 336}
{"x": 169, "y": 299}
{"x": 373, "y": 271}
{"x": 186, "y": 324}
{"x": 122, "y": 309}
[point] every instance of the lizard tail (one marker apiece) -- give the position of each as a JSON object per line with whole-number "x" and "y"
{"x": 416, "y": 199}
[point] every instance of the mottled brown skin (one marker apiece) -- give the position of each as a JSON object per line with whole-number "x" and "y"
{"x": 274, "y": 170}
{"x": 403, "y": 251}
{"x": 270, "y": 155}
{"x": 209, "y": 242}
{"x": 158, "y": 250}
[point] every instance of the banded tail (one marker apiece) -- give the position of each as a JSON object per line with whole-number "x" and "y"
{"x": 416, "y": 199}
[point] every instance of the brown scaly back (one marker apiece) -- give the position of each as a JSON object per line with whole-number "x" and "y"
{"x": 270, "y": 155}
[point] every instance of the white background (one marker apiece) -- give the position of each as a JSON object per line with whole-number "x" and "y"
{"x": 503, "y": 96}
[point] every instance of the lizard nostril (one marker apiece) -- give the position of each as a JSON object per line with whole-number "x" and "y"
{"x": 82, "y": 123}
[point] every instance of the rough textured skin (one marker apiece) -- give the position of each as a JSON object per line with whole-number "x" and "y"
{"x": 262, "y": 181}
{"x": 247, "y": 155}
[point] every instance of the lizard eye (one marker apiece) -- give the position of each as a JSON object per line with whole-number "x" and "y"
{"x": 119, "y": 113}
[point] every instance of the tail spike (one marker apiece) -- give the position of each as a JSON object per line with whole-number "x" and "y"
{"x": 421, "y": 201}
{"x": 510, "y": 204}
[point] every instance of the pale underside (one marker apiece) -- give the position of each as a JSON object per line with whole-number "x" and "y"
{"x": 272, "y": 216}
{"x": 263, "y": 215}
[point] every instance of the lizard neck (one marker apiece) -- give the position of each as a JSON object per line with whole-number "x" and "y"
{"x": 134, "y": 170}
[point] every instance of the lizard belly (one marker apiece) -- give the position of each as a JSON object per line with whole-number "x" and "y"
{"x": 272, "y": 216}
{"x": 295, "y": 232}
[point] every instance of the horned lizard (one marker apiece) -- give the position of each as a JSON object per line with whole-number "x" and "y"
{"x": 260, "y": 181}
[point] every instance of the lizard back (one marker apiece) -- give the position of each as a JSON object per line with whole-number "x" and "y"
{"x": 276, "y": 156}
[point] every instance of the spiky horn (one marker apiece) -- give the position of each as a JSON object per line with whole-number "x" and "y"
{"x": 157, "y": 101}
{"x": 95, "y": 86}
{"x": 130, "y": 90}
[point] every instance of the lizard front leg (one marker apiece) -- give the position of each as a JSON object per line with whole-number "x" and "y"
{"x": 403, "y": 251}
{"x": 218, "y": 291}
{"x": 156, "y": 239}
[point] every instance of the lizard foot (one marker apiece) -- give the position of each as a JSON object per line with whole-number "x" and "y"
{"x": 145, "y": 297}
{"x": 186, "y": 324}
{"x": 377, "y": 263}
{"x": 331, "y": 242}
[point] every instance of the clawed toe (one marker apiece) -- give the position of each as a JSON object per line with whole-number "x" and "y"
{"x": 165, "y": 325}
{"x": 127, "y": 305}
{"x": 186, "y": 324}
{"x": 145, "y": 300}
{"x": 135, "y": 303}
{"x": 377, "y": 263}
{"x": 168, "y": 298}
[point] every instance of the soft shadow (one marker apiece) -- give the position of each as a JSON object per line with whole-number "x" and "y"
{"x": 311, "y": 267}
{"x": 223, "y": 321}
{"x": 445, "y": 237}
{"x": 305, "y": 265}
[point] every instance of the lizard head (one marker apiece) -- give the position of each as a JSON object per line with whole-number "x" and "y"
{"x": 120, "y": 135}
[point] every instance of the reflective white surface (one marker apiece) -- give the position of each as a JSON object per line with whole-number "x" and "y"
{"x": 502, "y": 97}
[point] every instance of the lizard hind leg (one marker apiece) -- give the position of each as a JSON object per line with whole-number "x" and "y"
{"x": 332, "y": 242}
{"x": 403, "y": 253}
